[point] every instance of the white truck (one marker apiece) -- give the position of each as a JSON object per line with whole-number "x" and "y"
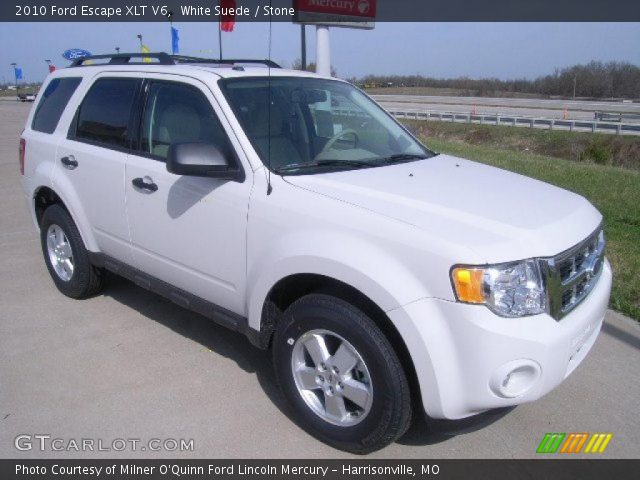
{"x": 385, "y": 278}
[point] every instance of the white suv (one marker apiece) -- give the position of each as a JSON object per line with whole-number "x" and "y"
{"x": 385, "y": 278}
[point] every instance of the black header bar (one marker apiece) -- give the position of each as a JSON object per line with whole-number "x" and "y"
{"x": 282, "y": 10}
{"x": 355, "y": 469}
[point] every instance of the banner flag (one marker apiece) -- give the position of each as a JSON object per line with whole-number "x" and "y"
{"x": 227, "y": 21}
{"x": 175, "y": 39}
{"x": 145, "y": 49}
{"x": 18, "y": 73}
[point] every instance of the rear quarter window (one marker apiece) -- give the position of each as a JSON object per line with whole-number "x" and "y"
{"x": 103, "y": 116}
{"x": 52, "y": 103}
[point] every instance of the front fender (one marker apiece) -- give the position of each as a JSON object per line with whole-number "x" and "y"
{"x": 362, "y": 265}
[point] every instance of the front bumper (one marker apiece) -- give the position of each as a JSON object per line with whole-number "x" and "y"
{"x": 469, "y": 360}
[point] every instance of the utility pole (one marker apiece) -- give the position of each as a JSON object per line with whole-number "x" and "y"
{"x": 220, "y": 37}
{"x": 303, "y": 46}
{"x": 575, "y": 81}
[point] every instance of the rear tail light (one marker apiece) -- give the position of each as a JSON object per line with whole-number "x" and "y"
{"x": 21, "y": 153}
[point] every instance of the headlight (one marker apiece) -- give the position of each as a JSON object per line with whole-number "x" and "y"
{"x": 510, "y": 290}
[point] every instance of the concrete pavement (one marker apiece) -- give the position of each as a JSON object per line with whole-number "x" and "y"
{"x": 527, "y": 107}
{"x": 129, "y": 364}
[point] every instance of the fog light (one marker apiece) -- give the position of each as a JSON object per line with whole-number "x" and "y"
{"x": 515, "y": 378}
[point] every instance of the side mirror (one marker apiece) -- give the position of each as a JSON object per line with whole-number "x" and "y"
{"x": 201, "y": 159}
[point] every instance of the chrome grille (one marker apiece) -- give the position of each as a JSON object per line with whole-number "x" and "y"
{"x": 571, "y": 275}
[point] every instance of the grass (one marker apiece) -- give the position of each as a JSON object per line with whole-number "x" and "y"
{"x": 600, "y": 148}
{"x": 613, "y": 190}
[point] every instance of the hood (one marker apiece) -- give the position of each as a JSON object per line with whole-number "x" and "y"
{"x": 500, "y": 215}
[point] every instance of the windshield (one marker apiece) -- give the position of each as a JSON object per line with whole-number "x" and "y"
{"x": 317, "y": 125}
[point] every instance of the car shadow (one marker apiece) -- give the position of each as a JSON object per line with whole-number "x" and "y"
{"x": 200, "y": 329}
{"x": 234, "y": 346}
{"x": 428, "y": 431}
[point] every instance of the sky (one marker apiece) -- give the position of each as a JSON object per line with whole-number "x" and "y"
{"x": 476, "y": 50}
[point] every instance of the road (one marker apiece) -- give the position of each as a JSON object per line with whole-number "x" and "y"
{"x": 129, "y": 364}
{"x": 576, "y": 109}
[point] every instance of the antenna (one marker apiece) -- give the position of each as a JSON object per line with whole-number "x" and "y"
{"x": 269, "y": 188}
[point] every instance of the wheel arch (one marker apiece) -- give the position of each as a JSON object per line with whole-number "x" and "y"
{"x": 292, "y": 287}
{"x": 44, "y": 196}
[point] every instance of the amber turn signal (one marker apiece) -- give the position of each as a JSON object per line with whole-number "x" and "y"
{"x": 467, "y": 283}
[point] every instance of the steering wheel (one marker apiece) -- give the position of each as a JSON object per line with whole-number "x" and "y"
{"x": 338, "y": 136}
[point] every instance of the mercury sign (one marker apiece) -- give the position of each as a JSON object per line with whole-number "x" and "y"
{"x": 337, "y": 13}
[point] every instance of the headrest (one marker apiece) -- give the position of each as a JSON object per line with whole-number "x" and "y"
{"x": 180, "y": 122}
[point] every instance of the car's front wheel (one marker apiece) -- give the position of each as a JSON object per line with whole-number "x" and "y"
{"x": 341, "y": 375}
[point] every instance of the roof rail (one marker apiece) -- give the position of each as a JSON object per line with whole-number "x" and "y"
{"x": 224, "y": 61}
{"x": 125, "y": 58}
{"x": 166, "y": 59}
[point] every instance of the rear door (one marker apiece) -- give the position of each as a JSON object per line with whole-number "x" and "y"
{"x": 92, "y": 159}
{"x": 44, "y": 129}
{"x": 187, "y": 231}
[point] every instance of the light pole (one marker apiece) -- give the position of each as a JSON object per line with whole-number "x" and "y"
{"x": 15, "y": 74}
{"x": 140, "y": 38}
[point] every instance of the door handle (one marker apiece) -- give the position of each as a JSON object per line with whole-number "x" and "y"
{"x": 69, "y": 162}
{"x": 145, "y": 183}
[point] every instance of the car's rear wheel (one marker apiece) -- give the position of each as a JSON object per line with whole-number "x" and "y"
{"x": 341, "y": 375}
{"x": 66, "y": 257}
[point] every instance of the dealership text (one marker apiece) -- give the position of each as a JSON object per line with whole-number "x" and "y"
{"x": 180, "y": 470}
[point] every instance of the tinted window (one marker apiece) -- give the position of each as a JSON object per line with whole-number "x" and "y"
{"x": 53, "y": 101}
{"x": 176, "y": 113}
{"x": 104, "y": 114}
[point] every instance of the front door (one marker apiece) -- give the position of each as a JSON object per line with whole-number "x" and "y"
{"x": 187, "y": 231}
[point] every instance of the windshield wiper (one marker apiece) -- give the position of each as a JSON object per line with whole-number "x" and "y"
{"x": 323, "y": 163}
{"x": 402, "y": 157}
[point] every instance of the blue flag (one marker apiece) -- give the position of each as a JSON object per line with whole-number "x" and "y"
{"x": 175, "y": 48}
{"x": 18, "y": 72}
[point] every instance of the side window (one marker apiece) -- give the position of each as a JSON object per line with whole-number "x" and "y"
{"x": 52, "y": 103}
{"x": 176, "y": 113}
{"x": 103, "y": 116}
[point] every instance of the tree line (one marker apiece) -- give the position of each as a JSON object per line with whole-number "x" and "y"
{"x": 594, "y": 80}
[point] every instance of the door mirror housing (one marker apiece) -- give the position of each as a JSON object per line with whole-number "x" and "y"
{"x": 201, "y": 159}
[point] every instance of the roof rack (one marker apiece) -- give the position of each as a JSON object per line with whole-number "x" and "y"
{"x": 166, "y": 59}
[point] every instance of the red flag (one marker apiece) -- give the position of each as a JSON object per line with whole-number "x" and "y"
{"x": 227, "y": 18}
{"x": 52, "y": 68}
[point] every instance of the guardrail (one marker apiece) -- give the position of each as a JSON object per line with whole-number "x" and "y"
{"x": 616, "y": 116}
{"x": 518, "y": 121}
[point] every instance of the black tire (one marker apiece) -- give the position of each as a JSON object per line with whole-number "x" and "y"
{"x": 86, "y": 280}
{"x": 390, "y": 411}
